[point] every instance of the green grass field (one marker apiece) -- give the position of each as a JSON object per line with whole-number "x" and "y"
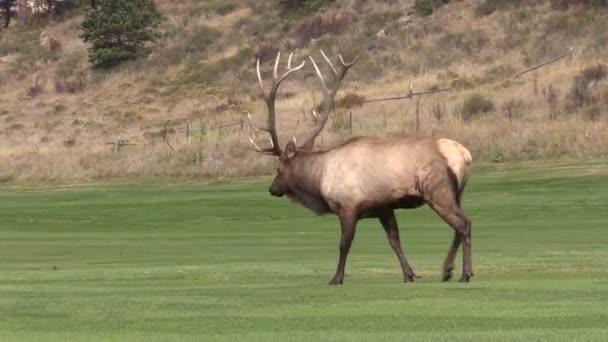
{"x": 161, "y": 261}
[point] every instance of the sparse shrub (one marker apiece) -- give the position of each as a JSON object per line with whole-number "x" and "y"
{"x": 68, "y": 66}
{"x": 513, "y": 108}
{"x": 266, "y": 51}
{"x": 25, "y": 43}
{"x": 231, "y": 103}
{"x": 595, "y": 73}
{"x": 468, "y": 41}
{"x": 552, "y": 96}
{"x": 225, "y": 7}
{"x": 350, "y": 100}
{"x": 497, "y": 73}
{"x": 118, "y": 29}
{"x": 59, "y": 107}
{"x": 244, "y": 56}
{"x": 427, "y": 7}
{"x": 71, "y": 85}
{"x": 438, "y": 111}
{"x": 461, "y": 83}
{"x": 200, "y": 39}
{"x": 453, "y": 46}
{"x": 200, "y": 73}
{"x": 496, "y": 154}
{"x": 376, "y": 21}
{"x": 306, "y": 6}
{"x": 37, "y": 88}
{"x": 16, "y": 127}
{"x": 565, "y": 4}
{"x": 340, "y": 121}
{"x": 474, "y": 105}
{"x": 69, "y": 142}
{"x": 330, "y": 22}
{"x": 55, "y": 45}
{"x": 586, "y": 95}
{"x": 517, "y": 26}
{"x": 580, "y": 93}
{"x": 424, "y": 7}
{"x": 487, "y": 7}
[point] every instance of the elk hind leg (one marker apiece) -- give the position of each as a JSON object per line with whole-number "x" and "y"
{"x": 445, "y": 204}
{"x": 448, "y": 264}
{"x": 454, "y": 216}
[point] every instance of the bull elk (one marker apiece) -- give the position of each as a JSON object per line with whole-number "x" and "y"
{"x": 369, "y": 177}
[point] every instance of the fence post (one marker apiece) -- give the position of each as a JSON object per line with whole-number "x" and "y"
{"x": 418, "y": 115}
{"x": 117, "y": 145}
{"x": 350, "y": 122}
{"x": 187, "y": 131}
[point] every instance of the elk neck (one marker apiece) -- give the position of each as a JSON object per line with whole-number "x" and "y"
{"x": 306, "y": 188}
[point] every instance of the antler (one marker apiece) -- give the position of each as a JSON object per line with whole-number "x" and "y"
{"x": 270, "y": 98}
{"x": 329, "y": 92}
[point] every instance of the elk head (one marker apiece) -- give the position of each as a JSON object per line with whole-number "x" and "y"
{"x": 285, "y": 170}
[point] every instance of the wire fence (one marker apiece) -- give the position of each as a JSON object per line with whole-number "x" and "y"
{"x": 241, "y": 124}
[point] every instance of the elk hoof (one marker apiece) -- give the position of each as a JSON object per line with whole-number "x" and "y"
{"x": 409, "y": 278}
{"x": 465, "y": 278}
{"x": 447, "y": 274}
{"x": 336, "y": 281}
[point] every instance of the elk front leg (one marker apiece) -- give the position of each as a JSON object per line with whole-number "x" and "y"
{"x": 348, "y": 224}
{"x": 389, "y": 223}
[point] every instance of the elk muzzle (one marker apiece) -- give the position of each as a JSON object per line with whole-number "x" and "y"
{"x": 277, "y": 188}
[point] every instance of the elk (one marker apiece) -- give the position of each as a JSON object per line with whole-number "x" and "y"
{"x": 369, "y": 177}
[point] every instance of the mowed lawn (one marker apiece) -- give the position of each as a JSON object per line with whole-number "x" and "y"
{"x": 170, "y": 261}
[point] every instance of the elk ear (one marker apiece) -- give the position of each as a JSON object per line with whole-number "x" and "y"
{"x": 290, "y": 150}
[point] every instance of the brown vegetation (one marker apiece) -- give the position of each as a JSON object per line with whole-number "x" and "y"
{"x": 559, "y": 110}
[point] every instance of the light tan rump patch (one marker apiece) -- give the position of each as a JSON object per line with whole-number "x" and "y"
{"x": 458, "y": 157}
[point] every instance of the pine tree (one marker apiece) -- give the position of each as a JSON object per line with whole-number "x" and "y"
{"x": 118, "y": 29}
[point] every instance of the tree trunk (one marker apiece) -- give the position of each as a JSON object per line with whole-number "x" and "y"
{"x": 24, "y": 13}
{"x": 6, "y": 12}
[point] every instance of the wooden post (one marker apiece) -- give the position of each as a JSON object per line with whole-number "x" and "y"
{"x": 188, "y": 131}
{"x": 242, "y": 124}
{"x": 117, "y": 144}
{"x": 24, "y": 13}
{"x": 403, "y": 119}
{"x": 418, "y": 115}
{"x": 350, "y": 122}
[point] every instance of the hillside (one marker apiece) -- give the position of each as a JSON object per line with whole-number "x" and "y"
{"x": 58, "y": 114}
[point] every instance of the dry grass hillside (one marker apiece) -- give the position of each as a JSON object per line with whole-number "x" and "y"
{"x": 57, "y": 114}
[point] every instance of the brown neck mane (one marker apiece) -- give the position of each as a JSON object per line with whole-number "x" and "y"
{"x": 306, "y": 190}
